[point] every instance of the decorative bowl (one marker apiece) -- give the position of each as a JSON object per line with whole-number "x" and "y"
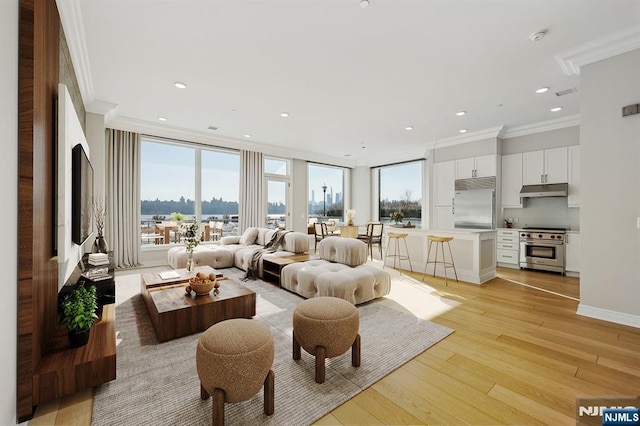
{"x": 201, "y": 287}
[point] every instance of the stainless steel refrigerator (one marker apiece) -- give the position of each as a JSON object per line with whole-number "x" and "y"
{"x": 475, "y": 209}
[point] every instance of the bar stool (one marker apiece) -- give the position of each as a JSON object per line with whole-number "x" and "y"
{"x": 396, "y": 254}
{"x": 440, "y": 241}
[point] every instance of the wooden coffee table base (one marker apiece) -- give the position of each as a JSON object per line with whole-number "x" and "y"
{"x": 175, "y": 314}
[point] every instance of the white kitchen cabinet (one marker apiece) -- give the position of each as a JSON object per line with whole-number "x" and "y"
{"x": 546, "y": 166}
{"x": 482, "y": 166}
{"x": 508, "y": 248}
{"x": 444, "y": 183}
{"x": 572, "y": 252}
{"x": 511, "y": 180}
{"x": 573, "y": 200}
{"x": 443, "y": 217}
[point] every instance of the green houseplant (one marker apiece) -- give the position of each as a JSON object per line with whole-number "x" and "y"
{"x": 397, "y": 217}
{"x": 78, "y": 313}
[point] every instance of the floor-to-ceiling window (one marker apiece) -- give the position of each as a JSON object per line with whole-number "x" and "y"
{"x": 326, "y": 192}
{"x": 400, "y": 193}
{"x": 182, "y": 182}
{"x": 276, "y": 172}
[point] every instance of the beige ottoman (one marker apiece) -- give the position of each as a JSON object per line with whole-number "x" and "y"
{"x": 326, "y": 327}
{"x": 233, "y": 360}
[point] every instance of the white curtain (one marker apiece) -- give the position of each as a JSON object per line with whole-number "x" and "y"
{"x": 251, "y": 206}
{"x": 123, "y": 197}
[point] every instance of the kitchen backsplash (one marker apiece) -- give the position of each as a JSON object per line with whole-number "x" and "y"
{"x": 544, "y": 211}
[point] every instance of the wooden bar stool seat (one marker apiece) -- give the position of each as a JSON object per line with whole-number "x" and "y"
{"x": 396, "y": 254}
{"x": 450, "y": 264}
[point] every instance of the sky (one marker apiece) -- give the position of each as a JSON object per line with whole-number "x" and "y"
{"x": 395, "y": 181}
{"x": 168, "y": 173}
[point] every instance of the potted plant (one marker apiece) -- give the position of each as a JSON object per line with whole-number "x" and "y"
{"x": 397, "y": 217}
{"x": 78, "y": 314}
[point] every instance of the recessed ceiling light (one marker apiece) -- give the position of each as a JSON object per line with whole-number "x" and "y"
{"x": 364, "y": 3}
{"x": 461, "y": 113}
{"x": 556, "y": 109}
{"x": 284, "y": 114}
{"x": 462, "y": 130}
{"x": 180, "y": 85}
{"x": 538, "y": 35}
{"x": 162, "y": 118}
{"x": 347, "y": 155}
{"x": 500, "y": 105}
{"x": 234, "y": 110}
{"x": 212, "y": 128}
{"x": 247, "y": 136}
{"x": 542, "y": 90}
{"x": 409, "y": 128}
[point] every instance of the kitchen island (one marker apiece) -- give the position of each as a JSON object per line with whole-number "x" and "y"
{"x": 474, "y": 252}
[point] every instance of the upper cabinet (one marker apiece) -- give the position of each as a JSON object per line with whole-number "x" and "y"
{"x": 511, "y": 180}
{"x": 482, "y": 166}
{"x": 546, "y": 166}
{"x": 573, "y": 200}
{"x": 444, "y": 183}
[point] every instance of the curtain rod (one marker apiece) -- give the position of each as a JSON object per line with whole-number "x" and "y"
{"x": 398, "y": 163}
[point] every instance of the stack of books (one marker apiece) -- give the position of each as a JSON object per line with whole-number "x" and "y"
{"x": 97, "y": 259}
{"x": 97, "y": 274}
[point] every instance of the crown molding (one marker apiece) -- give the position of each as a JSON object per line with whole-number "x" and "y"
{"x": 493, "y": 132}
{"x": 542, "y": 126}
{"x": 71, "y": 18}
{"x": 181, "y": 134}
{"x": 603, "y": 48}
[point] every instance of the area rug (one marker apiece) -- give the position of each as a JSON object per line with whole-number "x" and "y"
{"x": 157, "y": 383}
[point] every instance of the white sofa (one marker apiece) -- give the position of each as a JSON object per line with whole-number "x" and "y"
{"x": 237, "y": 250}
{"x": 340, "y": 272}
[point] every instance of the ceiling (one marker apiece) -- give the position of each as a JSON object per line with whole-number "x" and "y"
{"x": 352, "y": 79}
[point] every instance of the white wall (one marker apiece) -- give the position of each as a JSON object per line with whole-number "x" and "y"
{"x": 361, "y": 194}
{"x": 543, "y": 140}
{"x": 9, "y": 193}
{"x": 610, "y": 199}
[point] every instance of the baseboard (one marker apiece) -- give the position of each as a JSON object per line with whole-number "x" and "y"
{"x": 607, "y": 315}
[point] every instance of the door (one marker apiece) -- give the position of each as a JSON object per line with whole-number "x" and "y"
{"x": 444, "y": 176}
{"x": 465, "y": 168}
{"x": 443, "y": 218}
{"x": 277, "y": 197}
{"x": 511, "y": 180}
{"x": 556, "y": 165}
{"x": 485, "y": 165}
{"x": 533, "y": 168}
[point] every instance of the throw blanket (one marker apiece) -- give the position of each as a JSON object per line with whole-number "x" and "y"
{"x": 252, "y": 265}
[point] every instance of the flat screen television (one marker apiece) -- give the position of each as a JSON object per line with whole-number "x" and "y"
{"x": 81, "y": 195}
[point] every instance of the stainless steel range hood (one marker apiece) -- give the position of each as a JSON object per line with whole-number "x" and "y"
{"x": 545, "y": 190}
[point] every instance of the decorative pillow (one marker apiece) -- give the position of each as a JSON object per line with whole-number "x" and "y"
{"x": 249, "y": 236}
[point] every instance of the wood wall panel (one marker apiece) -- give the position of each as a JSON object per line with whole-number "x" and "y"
{"x": 38, "y": 273}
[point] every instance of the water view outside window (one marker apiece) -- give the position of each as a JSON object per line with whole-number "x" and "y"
{"x": 401, "y": 191}
{"x": 326, "y": 192}
{"x": 169, "y": 182}
{"x": 220, "y": 190}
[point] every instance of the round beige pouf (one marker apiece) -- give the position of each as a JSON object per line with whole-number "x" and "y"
{"x": 233, "y": 360}
{"x": 326, "y": 327}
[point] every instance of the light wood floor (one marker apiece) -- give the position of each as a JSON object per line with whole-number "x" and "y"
{"x": 519, "y": 355}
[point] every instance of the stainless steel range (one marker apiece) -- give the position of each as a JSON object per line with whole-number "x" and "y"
{"x": 542, "y": 248}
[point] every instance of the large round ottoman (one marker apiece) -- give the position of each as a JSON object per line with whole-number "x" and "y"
{"x": 234, "y": 359}
{"x": 326, "y": 327}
